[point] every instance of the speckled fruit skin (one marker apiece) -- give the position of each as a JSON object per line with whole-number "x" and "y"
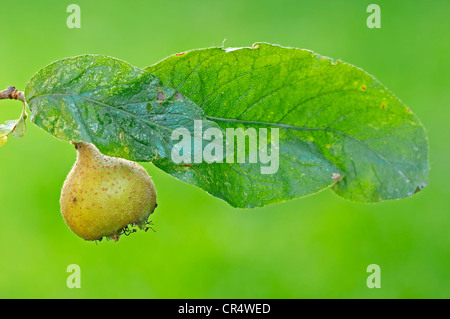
{"x": 103, "y": 194}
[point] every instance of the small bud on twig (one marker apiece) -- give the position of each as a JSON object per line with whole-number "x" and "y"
{"x": 12, "y": 93}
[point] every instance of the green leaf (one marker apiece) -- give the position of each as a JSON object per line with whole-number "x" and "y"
{"x": 123, "y": 110}
{"x": 15, "y": 127}
{"x": 338, "y": 125}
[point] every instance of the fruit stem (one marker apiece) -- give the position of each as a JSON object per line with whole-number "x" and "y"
{"x": 75, "y": 144}
{"x": 12, "y": 93}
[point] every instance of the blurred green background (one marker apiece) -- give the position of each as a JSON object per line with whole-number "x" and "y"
{"x": 316, "y": 247}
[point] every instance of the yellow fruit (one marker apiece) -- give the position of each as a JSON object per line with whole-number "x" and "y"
{"x": 102, "y": 195}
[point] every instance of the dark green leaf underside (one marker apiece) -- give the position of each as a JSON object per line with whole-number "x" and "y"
{"x": 123, "y": 110}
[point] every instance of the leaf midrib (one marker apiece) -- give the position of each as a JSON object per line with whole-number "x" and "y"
{"x": 300, "y": 128}
{"x": 100, "y": 103}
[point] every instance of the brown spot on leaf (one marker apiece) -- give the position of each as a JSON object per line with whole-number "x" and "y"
{"x": 336, "y": 177}
{"x": 161, "y": 96}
